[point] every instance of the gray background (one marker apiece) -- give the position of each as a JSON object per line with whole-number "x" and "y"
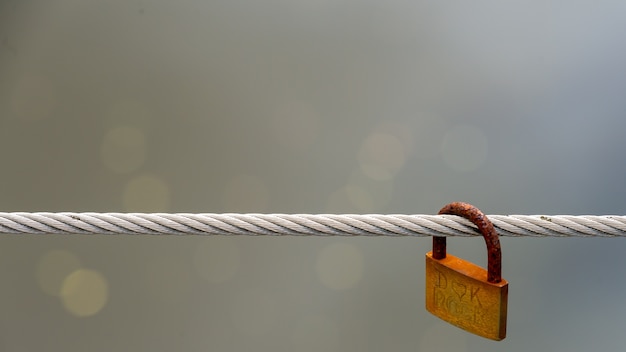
{"x": 306, "y": 107}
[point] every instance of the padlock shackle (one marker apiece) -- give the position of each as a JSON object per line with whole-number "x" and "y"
{"x": 486, "y": 228}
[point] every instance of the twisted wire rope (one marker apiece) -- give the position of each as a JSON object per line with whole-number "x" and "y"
{"x": 307, "y": 224}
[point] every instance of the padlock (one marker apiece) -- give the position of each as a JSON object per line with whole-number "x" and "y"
{"x": 462, "y": 293}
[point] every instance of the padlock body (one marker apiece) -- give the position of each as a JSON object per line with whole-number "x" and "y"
{"x": 458, "y": 292}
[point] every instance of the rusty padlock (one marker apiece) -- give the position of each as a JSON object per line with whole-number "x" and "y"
{"x": 462, "y": 293}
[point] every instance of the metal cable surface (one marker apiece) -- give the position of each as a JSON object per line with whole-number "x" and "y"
{"x": 306, "y": 224}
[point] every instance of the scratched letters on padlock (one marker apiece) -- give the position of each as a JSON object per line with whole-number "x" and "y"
{"x": 457, "y": 293}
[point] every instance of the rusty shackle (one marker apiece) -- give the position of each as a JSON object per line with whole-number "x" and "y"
{"x": 473, "y": 214}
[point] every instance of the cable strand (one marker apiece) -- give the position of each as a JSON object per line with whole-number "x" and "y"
{"x": 307, "y": 224}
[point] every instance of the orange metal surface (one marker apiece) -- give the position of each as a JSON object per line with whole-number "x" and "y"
{"x": 458, "y": 292}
